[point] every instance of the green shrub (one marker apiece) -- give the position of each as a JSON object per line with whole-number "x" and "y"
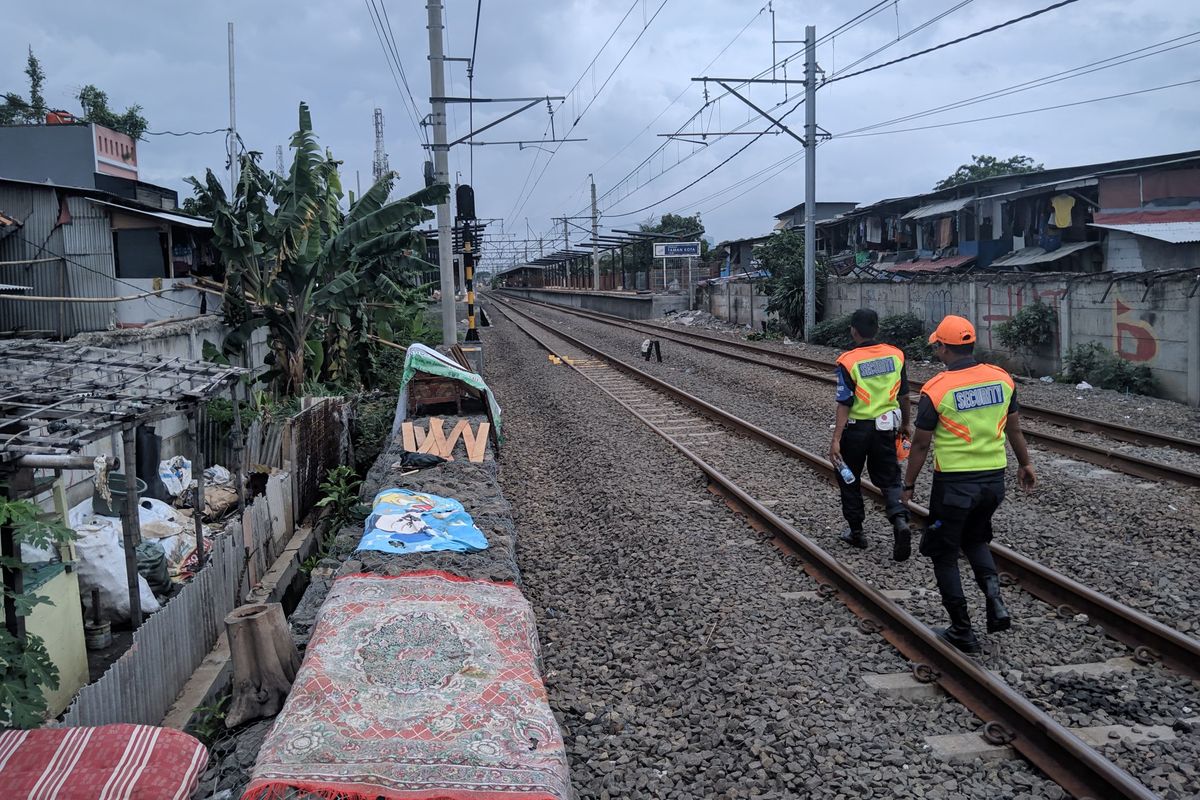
{"x": 918, "y": 349}
{"x": 371, "y": 429}
{"x": 833, "y": 332}
{"x": 900, "y": 330}
{"x": 1099, "y": 366}
{"x": 1029, "y": 329}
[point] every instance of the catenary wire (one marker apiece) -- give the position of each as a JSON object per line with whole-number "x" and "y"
{"x": 959, "y": 40}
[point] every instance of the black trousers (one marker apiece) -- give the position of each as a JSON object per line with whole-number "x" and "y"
{"x": 960, "y": 520}
{"x": 863, "y": 445}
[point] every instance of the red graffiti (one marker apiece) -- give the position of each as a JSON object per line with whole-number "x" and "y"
{"x": 1135, "y": 339}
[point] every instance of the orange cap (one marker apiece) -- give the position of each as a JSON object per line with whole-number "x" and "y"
{"x": 953, "y": 330}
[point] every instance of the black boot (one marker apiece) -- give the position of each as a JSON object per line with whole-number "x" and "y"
{"x": 997, "y": 615}
{"x": 959, "y": 633}
{"x": 854, "y": 537}
{"x": 901, "y": 539}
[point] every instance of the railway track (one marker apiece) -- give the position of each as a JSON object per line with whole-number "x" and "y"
{"x": 696, "y": 429}
{"x": 822, "y": 371}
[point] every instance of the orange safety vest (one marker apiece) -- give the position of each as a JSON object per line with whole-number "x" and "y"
{"x": 875, "y": 370}
{"x": 972, "y": 406}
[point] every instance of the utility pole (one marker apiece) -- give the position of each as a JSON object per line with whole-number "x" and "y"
{"x": 566, "y": 243}
{"x": 595, "y": 233}
{"x": 437, "y": 88}
{"x": 379, "y": 167}
{"x": 233, "y": 148}
{"x": 810, "y": 181}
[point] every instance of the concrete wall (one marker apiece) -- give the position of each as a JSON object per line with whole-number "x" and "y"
{"x": 740, "y": 303}
{"x": 620, "y": 304}
{"x": 1125, "y": 252}
{"x": 1147, "y": 318}
{"x": 61, "y": 154}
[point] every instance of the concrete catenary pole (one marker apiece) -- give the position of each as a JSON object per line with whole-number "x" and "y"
{"x": 441, "y": 171}
{"x": 595, "y": 233}
{"x": 233, "y": 143}
{"x": 810, "y": 180}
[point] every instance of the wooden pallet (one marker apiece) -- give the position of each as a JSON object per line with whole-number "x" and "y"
{"x": 435, "y": 440}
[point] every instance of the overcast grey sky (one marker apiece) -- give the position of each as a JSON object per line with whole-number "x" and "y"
{"x": 170, "y": 58}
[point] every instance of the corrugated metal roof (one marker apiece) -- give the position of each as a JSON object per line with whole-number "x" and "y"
{"x": 1036, "y": 255}
{"x": 174, "y": 219}
{"x": 924, "y": 264}
{"x": 8, "y": 288}
{"x": 1173, "y": 232}
{"x": 938, "y": 209}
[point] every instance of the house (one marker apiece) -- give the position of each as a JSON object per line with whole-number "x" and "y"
{"x": 736, "y": 256}
{"x": 794, "y": 216}
{"x": 1136, "y": 214}
{"x": 81, "y": 154}
{"x": 91, "y": 260}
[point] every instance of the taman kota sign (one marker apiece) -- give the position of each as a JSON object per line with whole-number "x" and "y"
{"x": 676, "y": 249}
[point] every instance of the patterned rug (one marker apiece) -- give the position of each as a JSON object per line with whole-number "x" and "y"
{"x": 419, "y": 686}
{"x": 109, "y": 762}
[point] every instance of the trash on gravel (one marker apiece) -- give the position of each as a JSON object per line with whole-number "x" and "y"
{"x": 1046, "y": 379}
{"x": 1083, "y": 385}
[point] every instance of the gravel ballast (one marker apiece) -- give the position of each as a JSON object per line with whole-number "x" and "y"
{"x": 1127, "y": 537}
{"x": 676, "y": 667}
{"x": 1151, "y": 696}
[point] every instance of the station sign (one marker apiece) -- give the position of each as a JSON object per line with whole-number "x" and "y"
{"x": 676, "y": 249}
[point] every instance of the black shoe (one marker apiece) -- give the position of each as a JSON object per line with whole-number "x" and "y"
{"x": 960, "y": 634}
{"x": 854, "y": 538}
{"x": 901, "y": 539}
{"x": 997, "y": 614}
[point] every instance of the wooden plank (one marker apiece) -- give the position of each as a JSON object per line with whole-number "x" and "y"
{"x": 452, "y": 440}
{"x": 419, "y": 433}
{"x": 435, "y": 439}
{"x": 410, "y": 438}
{"x": 476, "y": 443}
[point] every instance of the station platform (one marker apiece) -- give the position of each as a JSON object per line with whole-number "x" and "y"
{"x": 630, "y": 305}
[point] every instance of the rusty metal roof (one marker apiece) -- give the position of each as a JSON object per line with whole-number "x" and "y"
{"x": 1037, "y": 255}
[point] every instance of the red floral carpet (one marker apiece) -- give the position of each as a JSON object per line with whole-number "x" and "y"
{"x": 419, "y": 686}
{"x": 109, "y": 762}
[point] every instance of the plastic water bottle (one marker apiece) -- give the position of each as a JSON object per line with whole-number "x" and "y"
{"x": 847, "y": 475}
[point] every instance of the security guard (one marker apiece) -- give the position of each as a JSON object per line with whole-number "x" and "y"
{"x": 872, "y": 409}
{"x": 967, "y": 411}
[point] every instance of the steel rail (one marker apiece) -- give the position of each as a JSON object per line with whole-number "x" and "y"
{"x": 1049, "y": 745}
{"x": 1098, "y": 455}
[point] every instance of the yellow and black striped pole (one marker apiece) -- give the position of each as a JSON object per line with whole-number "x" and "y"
{"x": 468, "y": 254}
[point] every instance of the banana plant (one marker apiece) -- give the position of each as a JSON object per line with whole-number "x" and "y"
{"x": 324, "y": 282}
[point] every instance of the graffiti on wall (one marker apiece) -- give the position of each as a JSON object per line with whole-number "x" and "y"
{"x": 937, "y": 306}
{"x": 1133, "y": 334}
{"x": 1009, "y": 304}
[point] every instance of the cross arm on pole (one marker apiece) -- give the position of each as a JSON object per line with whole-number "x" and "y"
{"x": 493, "y": 123}
{"x": 764, "y": 114}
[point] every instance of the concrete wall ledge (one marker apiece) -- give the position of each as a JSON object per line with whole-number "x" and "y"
{"x": 629, "y": 305}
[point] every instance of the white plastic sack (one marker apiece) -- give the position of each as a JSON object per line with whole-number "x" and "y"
{"x": 1083, "y": 385}
{"x": 217, "y": 476}
{"x": 102, "y": 565}
{"x": 175, "y": 474}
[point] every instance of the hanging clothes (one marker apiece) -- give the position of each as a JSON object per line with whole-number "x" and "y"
{"x": 874, "y": 230}
{"x": 945, "y": 233}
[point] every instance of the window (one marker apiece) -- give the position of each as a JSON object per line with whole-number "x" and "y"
{"x": 140, "y": 253}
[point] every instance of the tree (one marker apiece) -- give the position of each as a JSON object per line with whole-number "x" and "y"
{"x": 783, "y": 255}
{"x": 95, "y": 109}
{"x": 327, "y": 285}
{"x": 640, "y": 256}
{"x": 16, "y": 110}
{"x": 988, "y": 167}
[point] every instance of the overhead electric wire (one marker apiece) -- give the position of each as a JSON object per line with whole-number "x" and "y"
{"x": 399, "y": 61}
{"x": 596, "y": 94}
{"x": 185, "y": 133}
{"x": 729, "y": 158}
{"x": 1019, "y": 113}
{"x": 959, "y": 40}
{"x": 902, "y": 36}
{"x": 1046, "y": 80}
{"x": 377, "y": 22}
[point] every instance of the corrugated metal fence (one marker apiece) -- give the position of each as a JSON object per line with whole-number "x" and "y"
{"x": 144, "y": 682}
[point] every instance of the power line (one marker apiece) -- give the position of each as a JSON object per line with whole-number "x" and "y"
{"x": 959, "y": 40}
{"x": 377, "y": 22}
{"x": 729, "y": 158}
{"x": 1046, "y": 80}
{"x": 475, "y": 43}
{"x": 185, "y": 133}
{"x": 1019, "y": 113}
{"x": 901, "y": 37}
{"x": 645, "y": 27}
{"x": 399, "y": 61}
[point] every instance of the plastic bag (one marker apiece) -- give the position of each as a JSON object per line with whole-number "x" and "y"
{"x": 101, "y": 565}
{"x": 420, "y": 460}
{"x": 175, "y": 474}
{"x": 152, "y": 565}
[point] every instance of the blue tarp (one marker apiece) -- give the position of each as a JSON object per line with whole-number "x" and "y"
{"x": 402, "y": 521}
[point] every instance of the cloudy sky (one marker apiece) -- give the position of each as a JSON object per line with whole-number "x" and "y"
{"x": 171, "y": 59}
